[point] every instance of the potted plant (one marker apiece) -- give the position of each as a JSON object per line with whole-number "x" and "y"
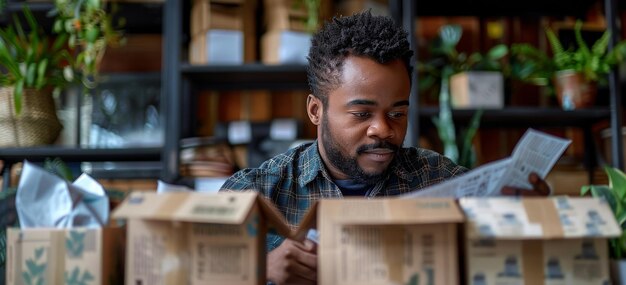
{"x": 89, "y": 29}
{"x": 615, "y": 195}
{"x": 574, "y": 71}
{"x": 446, "y": 62}
{"x": 33, "y": 66}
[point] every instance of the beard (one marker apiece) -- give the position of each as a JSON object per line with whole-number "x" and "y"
{"x": 347, "y": 164}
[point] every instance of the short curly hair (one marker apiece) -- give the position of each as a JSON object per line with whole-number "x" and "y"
{"x": 362, "y": 34}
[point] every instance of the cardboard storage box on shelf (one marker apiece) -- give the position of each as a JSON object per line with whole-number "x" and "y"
{"x": 287, "y": 40}
{"x": 607, "y": 135}
{"x": 197, "y": 238}
{"x": 223, "y": 32}
{"x": 65, "y": 256}
{"x": 351, "y": 7}
{"x": 286, "y": 15}
{"x": 285, "y": 47}
{"x": 386, "y": 241}
{"x": 477, "y": 89}
{"x": 557, "y": 240}
{"x": 207, "y": 14}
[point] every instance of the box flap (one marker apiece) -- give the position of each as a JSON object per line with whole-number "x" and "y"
{"x": 226, "y": 208}
{"x": 309, "y": 221}
{"x": 273, "y": 217}
{"x": 390, "y": 211}
{"x": 539, "y": 218}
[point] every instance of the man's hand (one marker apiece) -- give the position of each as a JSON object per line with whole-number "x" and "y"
{"x": 540, "y": 188}
{"x": 293, "y": 263}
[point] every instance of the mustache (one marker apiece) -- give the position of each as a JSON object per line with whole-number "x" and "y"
{"x": 380, "y": 144}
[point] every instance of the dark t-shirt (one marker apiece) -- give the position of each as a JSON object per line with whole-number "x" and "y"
{"x": 350, "y": 187}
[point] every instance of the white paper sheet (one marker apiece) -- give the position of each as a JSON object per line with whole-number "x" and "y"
{"x": 535, "y": 152}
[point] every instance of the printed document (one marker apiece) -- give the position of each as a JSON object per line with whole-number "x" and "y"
{"x": 535, "y": 152}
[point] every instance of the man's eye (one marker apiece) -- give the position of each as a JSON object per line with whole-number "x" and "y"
{"x": 361, "y": 114}
{"x": 396, "y": 115}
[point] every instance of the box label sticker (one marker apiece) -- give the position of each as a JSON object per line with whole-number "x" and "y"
{"x": 223, "y": 253}
{"x": 370, "y": 254}
{"x": 575, "y": 262}
{"x": 495, "y": 262}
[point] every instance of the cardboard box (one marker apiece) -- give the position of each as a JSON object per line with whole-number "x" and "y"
{"x": 285, "y": 47}
{"x": 65, "y": 256}
{"x": 607, "y": 144}
{"x": 223, "y": 32}
{"x": 197, "y": 238}
{"x": 557, "y": 240}
{"x": 286, "y": 15}
{"x": 206, "y": 14}
{"x": 477, "y": 89}
{"x": 351, "y": 7}
{"x": 567, "y": 180}
{"x": 217, "y": 47}
{"x": 385, "y": 241}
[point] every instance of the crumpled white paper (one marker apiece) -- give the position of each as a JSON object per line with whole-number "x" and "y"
{"x": 163, "y": 187}
{"x": 46, "y": 200}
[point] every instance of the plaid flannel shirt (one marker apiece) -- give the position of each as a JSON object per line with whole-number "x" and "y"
{"x": 297, "y": 178}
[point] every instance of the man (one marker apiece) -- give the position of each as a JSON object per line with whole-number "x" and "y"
{"x": 360, "y": 78}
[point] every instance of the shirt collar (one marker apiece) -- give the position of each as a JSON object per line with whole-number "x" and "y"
{"x": 312, "y": 163}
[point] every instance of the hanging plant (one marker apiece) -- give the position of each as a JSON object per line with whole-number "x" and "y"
{"x": 90, "y": 31}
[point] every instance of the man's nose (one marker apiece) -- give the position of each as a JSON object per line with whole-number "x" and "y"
{"x": 380, "y": 128}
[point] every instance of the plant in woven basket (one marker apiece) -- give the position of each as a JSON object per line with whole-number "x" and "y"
{"x": 30, "y": 60}
{"x": 32, "y": 64}
{"x": 90, "y": 30}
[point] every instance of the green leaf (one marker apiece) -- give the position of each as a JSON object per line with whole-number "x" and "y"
{"x": 68, "y": 73}
{"x": 77, "y": 236}
{"x": 39, "y": 253}
{"x": 32, "y": 23}
{"x": 450, "y": 35}
{"x": 87, "y": 276}
{"x": 41, "y": 73}
{"x": 75, "y": 273}
{"x": 621, "y": 218}
{"x": 31, "y": 267}
{"x": 617, "y": 181}
{"x": 467, "y": 158}
{"x": 41, "y": 268}
{"x": 601, "y": 45}
{"x": 91, "y": 34}
{"x": 26, "y": 278}
{"x": 30, "y": 74}
{"x": 584, "y": 190}
{"x": 582, "y": 45}
{"x": 605, "y": 192}
{"x": 17, "y": 96}
{"x": 497, "y": 52}
{"x": 59, "y": 42}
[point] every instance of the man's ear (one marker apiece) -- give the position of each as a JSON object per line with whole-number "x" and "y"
{"x": 314, "y": 109}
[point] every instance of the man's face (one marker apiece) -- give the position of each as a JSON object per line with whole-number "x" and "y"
{"x": 365, "y": 121}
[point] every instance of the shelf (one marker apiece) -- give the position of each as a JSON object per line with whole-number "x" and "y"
{"x": 498, "y": 8}
{"x": 526, "y": 116}
{"x": 150, "y": 21}
{"x": 69, "y": 154}
{"x": 123, "y": 170}
{"x": 247, "y": 76}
